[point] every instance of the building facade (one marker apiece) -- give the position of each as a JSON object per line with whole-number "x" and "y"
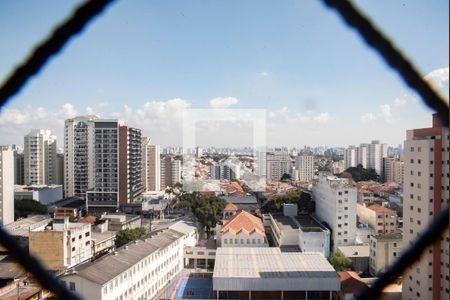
{"x": 336, "y": 205}
{"x": 277, "y": 164}
{"x": 62, "y": 245}
{"x": 78, "y": 155}
{"x": 381, "y": 219}
{"x": 384, "y": 250}
{"x": 426, "y": 193}
{"x": 39, "y": 157}
{"x": 151, "y": 166}
{"x": 243, "y": 230}
{"x": 6, "y": 185}
{"x": 393, "y": 170}
{"x": 170, "y": 171}
{"x": 304, "y": 164}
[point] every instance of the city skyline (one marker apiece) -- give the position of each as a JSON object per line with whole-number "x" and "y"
{"x": 156, "y": 64}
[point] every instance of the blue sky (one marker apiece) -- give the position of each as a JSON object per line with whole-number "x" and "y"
{"x": 146, "y": 61}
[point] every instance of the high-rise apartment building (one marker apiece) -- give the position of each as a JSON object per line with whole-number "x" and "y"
{"x": 278, "y": 163}
{"x": 19, "y": 177}
{"x": 170, "y": 171}
{"x": 304, "y": 164}
{"x": 393, "y": 170}
{"x": 151, "y": 166}
{"x": 79, "y": 155}
{"x": 370, "y": 156}
{"x": 102, "y": 162}
{"x": 6, "y": 185}
{"x": 336, "y": 205}
{"x": 130, "y": 164}
{"x": 377, "y": 152}
{"x": 350, "y": 157}
{"x": 426, "y": 193}
{"x": 39, "y": 157}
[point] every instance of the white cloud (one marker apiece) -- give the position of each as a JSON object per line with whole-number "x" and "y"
{"x": 385, "y": 114}
{"x": 400, "y": 101}
{"x": 223, "y": 102}
{"x": 368, "y": 117}
{"x": 438, "y": 77}
{"x": 264, "y": 74}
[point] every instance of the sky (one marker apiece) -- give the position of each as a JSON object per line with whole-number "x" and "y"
{"x": 144, "y": 62}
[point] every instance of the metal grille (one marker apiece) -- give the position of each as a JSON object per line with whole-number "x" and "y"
{"x": 81, "y": 17}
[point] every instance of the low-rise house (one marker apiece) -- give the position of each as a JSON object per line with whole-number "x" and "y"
{"x": 20, "y": 229}
{"x": 62, "y": 245}
{"x": 229, "y": 210}
{"x": 358, "y": 254}
{"x": 118, "y": 222}
{"x": 382, "y": 219}
{"x": 351, "y": 285}
{"x": 242, "y": 230}
{"x": 384, "y": 250}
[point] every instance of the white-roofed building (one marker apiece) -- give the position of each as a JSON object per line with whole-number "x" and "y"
{"x": 268, "y": 273}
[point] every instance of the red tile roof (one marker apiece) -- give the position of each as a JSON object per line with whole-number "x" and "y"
{"x": 351, "y": 283}
{"x": 379, "y": 208}
{"x": 243, "y": 221}
{"x": 89, "y": 219}
{"x": 230, "y": 207}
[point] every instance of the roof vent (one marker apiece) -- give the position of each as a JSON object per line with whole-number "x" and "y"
{"x": 356, "y": 253}
{"x": 115, "y": 253}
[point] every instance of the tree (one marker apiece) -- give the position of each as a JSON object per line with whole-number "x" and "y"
{"x": 340, "y": 262}
{"x": 25, "y": 207}
{"x": 359, "y": 173}
{"x": 275, "y": 204}
{"x": 128, "y": 235}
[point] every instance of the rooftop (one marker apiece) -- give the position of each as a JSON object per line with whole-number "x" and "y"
{"x": 389, "y": 236}
{"x": 110, "y": 266}
{"x": 351, "y": 283}
{"x": 379, "y": 208}
{"x": 243, "y": 221}
{"x": 22, "y": 227}
{"x": 230, "y": 207}
{"x": 240, "y": 200}
{"x": 246, "y": 268}
{"x": 355, "y": 250}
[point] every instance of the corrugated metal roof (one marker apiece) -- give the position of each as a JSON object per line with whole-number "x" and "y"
{"x": 270, "y": 269}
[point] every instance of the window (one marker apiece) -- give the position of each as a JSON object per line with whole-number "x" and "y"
{"x": 226, "y": 241}
{"x": 72, "y": 286}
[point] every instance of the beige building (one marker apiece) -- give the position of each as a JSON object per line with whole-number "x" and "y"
{"x": 426, "y": 193}
{"x": 62, "y": 245}
{"x": 151, "y": 166}
{"x": 40, "y": 157}
{"x": 384, "y": 250}
{"x": 6, "y": 185}
{"x": 380, "y": 218}
{"x": 393, "y": 170}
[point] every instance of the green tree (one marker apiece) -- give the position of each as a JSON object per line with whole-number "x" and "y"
{"x": 340, "y": 262}
{"x": 128, "y": 235}
{"x": 359, "y": 173}
{"x": 23, "y": 208}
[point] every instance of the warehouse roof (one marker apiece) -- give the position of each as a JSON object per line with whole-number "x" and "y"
{"x": 246, "y": 268}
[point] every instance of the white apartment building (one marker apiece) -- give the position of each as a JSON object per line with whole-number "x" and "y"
{"x": 363, "y": 155}
{"x": 142, "y": 269}
{"x": 368, "y": 155}
{"x": 6, "y": 185}
{"x": 350, "y": 157}
{"x": 78, "y": 155}
{"x": 62, "y": 245}
{"x": 277, "y": 164}
{"x": 40, "y": 157}
{"x": 377, "y": 152}
{"x": 426, "y": 193}
{"x": 304, "y": 164}
{"x": 151, "y": 166}
{"x": 336, "y": 205}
